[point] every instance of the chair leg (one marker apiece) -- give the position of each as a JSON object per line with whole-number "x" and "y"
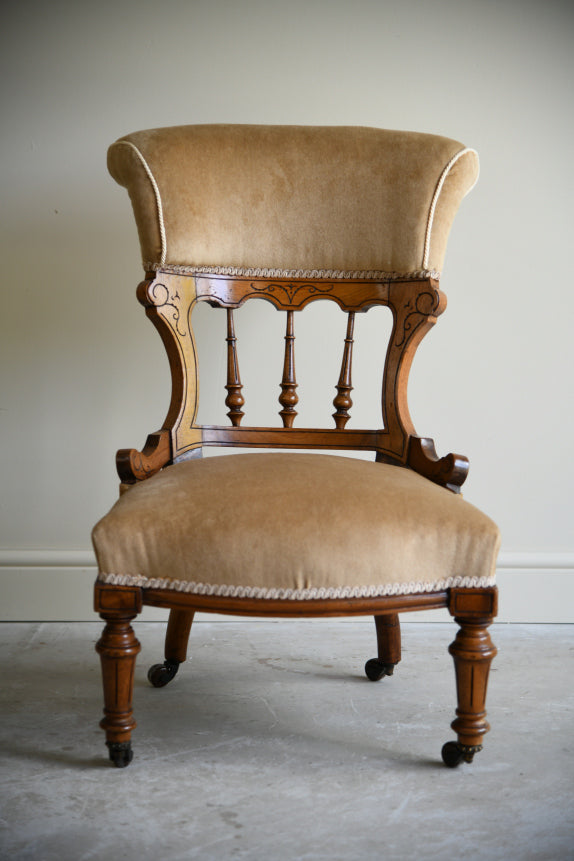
{"x": 388, "y": 629}
{"x": 176, "y": 639}
{"x": 118, "y": 649}
{"x": 472, "y": 651}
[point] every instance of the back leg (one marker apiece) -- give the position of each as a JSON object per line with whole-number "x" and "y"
{"x": 388, "y": 647}
{"x": 176, "y": 639}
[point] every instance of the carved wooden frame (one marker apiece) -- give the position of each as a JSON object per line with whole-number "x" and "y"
{"x": 169, "y": 300}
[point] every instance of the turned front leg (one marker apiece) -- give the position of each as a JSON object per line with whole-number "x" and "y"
{"x": 118, "y": 649}
{"x": 472, "y": 651}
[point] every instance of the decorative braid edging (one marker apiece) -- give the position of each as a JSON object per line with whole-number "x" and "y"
{"x": 333, "y": 274}
{"x": 223, "y": 591}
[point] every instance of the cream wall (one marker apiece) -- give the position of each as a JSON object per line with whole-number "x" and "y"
{"x": 81, "y": 367}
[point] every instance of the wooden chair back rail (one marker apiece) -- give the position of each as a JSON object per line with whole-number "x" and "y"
{"x": 288, "y": 397}
{"x": 169, "y": 300}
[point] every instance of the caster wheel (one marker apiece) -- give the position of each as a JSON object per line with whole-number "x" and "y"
{"x": 160, "y": 674}
{"x": 451, "y": 753}
{"x": 376, "y": 669}
{"x": 121, "y": 753}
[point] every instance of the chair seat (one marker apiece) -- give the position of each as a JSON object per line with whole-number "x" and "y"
{"x": 294, "y": 526}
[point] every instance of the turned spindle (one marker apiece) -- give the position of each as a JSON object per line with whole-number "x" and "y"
{"x": 234, "y": 400}
{"x": 342, "y": 401}
{"x": 288, "y": 397}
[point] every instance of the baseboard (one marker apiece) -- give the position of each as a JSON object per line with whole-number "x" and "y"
{"x": 56, "y": 585}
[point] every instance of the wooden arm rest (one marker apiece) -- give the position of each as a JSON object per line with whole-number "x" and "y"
{"x": 449, "y": 471}
{"x": 134, "y": 465}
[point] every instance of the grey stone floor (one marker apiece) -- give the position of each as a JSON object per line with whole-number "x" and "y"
{"x": 271, "y": 744}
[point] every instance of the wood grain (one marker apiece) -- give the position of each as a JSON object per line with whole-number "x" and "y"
{"x": 169, "y": 300}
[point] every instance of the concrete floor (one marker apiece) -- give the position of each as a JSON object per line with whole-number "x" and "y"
{"x": 271, "y": 744}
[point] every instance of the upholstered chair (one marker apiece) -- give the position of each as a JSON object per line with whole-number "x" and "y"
{"x": 359, "y": 217}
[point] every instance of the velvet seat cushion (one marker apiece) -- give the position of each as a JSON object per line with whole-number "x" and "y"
{"x": 294, "y": 526}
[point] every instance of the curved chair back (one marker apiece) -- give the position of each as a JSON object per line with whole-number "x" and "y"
{"x": 292, "y": 214}
{"x": 293, "y": 198}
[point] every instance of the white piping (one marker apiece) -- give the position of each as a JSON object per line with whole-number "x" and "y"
{"x": 435, "y": 198}
{"x": 157, "y": 197}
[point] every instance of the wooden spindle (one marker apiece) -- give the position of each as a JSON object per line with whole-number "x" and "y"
{"x": 288, "y": 397}
{"x": 342, "y": 401}
{"x": 234, "y": 399}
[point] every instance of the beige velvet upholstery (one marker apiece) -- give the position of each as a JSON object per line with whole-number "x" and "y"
{"x": 294, "y": 526}
{"x": 293, "y": 198}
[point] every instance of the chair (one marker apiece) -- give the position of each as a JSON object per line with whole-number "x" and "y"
{"x": 290, "y": 214}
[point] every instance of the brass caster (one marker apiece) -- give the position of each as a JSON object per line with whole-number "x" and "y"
{"x": 160, "y": 674}
{"x": 454, "y": 753}
{"x": 121, "y": 753}
{"x": 376, "y": 669}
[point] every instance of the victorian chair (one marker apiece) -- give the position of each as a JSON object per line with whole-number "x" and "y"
{"x": 290, "y": 214}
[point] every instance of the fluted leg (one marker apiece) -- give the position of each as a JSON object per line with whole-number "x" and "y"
{"x": 118, "y": 649}
{"x": 472, "y": 651}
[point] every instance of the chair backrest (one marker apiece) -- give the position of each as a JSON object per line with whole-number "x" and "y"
{"x": 292, "y": 214}
{"x": 293, "y": 198}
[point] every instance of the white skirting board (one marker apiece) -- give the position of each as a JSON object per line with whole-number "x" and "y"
{"x": 57, "y": 585}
